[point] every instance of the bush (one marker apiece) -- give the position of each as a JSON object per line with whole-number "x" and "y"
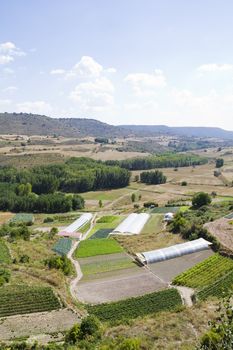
{"x": 150, "y": 205}
{"x": 48, "y": 219}
{"x": 200, "y": 199}
{"x": 219, "y": 162}
{"x": 4, "y": 276}
{"x": 184, "y": 183}
{"x": 60, "y": 263}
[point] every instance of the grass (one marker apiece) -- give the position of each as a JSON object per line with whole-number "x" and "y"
{"x": 154, "y": 224}
{"x": 24, "y": 300}
{"x": 106, "y": 266}
{"x": 22, "y": 217}
{"x": 95, "y": 247}
{"x": 106, "y": 225}
{"x": 205, "y": 273}
{"x": 85, "y": 228}
{"x": 4, "y": 253}
{"x": 62, "y": 246}
{"x": 106, "y": 219}
{"x": 168, "y": 299}
{"x": 148, "y": 241}
{"x": 105, "y": 195}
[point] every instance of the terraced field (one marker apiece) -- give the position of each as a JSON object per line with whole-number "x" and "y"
{"x": 24, "y": 300}
{"x": 4, "y": 253}
{"x": 206, "y": 272}
{"x": 168, "y": 299}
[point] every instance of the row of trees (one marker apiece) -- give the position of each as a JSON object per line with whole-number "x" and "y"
{"x": 153, "y": 177}
{"x": 170, "y": 160}
{"x": 45, "y": 203}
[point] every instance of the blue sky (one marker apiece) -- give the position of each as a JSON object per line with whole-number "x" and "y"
{"x": 122, "y": 62}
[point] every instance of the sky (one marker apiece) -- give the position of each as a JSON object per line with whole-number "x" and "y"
{"x": 167, "y": 62}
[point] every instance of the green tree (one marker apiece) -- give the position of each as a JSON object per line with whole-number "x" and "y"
{"x": 133, "y": 197}
{"x": 219, "y": 162}
{"x": 200, "y": 199}
{"x": 100, "y": 203}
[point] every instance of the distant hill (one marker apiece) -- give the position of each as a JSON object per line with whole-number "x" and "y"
{"x": 188, "y": 131}
{"x": 33, "y": 124}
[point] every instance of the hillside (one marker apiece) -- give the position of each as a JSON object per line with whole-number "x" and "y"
{"x": 211, "y": 132}
{"x": 33, "y": 124}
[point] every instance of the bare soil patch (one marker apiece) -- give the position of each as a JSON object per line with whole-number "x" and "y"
{"x": 39, "y": 323}
{"x": 223, "y": 231}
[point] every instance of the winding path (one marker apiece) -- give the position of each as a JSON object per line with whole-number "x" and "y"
{"x": 75, "y": 262}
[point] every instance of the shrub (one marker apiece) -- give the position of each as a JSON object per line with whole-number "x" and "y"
{"x": 200, "y": 199}
{"x": 48, "y": 219}
{"x": 219, "y": 162}
{"x": 184, "y": 183}
{"x": 150, "y": 205}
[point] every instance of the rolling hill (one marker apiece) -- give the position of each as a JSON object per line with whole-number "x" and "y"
{"x": 33, "y": 124}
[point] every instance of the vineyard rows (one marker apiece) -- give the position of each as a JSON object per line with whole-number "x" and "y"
{"x": 27, "y": 300}
{"x": 221, "y": 288}
{"x": 167, "y": 299}
{"x": 206, "y": 272}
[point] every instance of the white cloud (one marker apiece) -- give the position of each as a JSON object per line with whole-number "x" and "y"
{"x": 10, "y": 89}
{"x": 94, "y": 95}
{"x": 11, "y": 49}
{"x": 87, "y": 67}
{"x": 110, "y": 70}
{"x": 37, "y": 107}
{"x": 214, "y": 67}
{"x": 146, "y": 84}
{"x": 8, "y": 51}
{"x": 58, "y": 71}
{"x": 4, "y": 59}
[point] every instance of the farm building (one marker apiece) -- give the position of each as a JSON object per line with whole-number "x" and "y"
{"x": 71, "y": 230}
{"x": 133, "y": 224}
{"x": 174, "y": 251}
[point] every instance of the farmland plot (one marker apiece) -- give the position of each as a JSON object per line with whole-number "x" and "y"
{"x": 24, "y": 300}
{"x": 4, "y": 253}
{"x": 167, "y": 299}
{"x": 97, "y": 247}
{"x": 62, "y": 246}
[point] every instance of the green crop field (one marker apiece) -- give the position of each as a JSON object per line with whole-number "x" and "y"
{"x": 106, "y": 219}
{"x": 4, "y": 253}
{"x": 163, "y": 210}
{"x": 206, "y": 272}
{"x": 107, "y": 222}
{"x": 22, "y": 217}
{"x": 168, "y": 299}
{"x": 95, "y": 247}
{"x": 101, "y": 233}
{"x": 221, "y": 288}
{"x": 106, "y": 266}
{"x": 23, "y": 300}
{"x": 62, "y": 246}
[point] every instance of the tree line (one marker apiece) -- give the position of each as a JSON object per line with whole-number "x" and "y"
{"x": 170, "y": 160}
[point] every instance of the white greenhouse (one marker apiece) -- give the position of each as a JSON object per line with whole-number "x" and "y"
{"x": 76, "y": 225}
{"x": 133, "y": 224}
{"x": 174, "y": 251}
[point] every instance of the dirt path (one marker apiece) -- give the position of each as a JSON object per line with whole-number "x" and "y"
{"x": 186, "y": 295}
{"x": 79, "y": 274}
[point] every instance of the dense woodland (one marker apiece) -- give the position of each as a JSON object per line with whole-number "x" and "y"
{"x": 41, "y": 189}
{"x": 153, "y": 177}
{"x": 170, "y": 160}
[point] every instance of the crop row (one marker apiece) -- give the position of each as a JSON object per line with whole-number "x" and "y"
{"x": 4, "y": 253}
{"x": 28, "y": 300}
{"x": 168, "y": 299}
{"x": 220, "y": 288}
{"x": 206, "y": 272}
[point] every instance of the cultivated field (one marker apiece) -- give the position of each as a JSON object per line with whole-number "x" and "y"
{"x": 222, "y": 229}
